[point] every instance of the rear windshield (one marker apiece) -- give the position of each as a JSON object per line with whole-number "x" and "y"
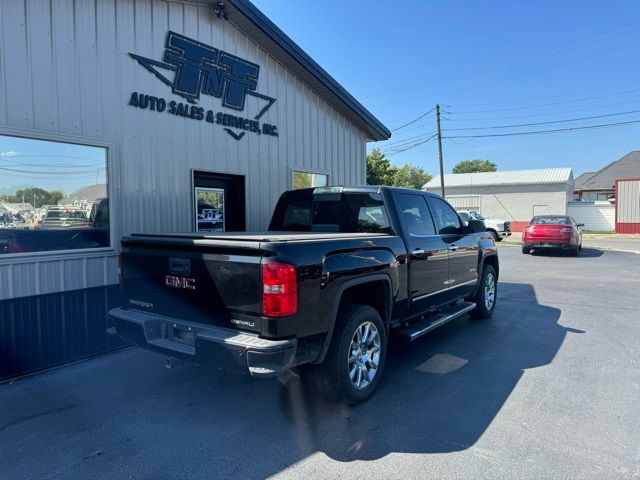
{"x": 304, "y": 211}
{"x": 550, "y": 221}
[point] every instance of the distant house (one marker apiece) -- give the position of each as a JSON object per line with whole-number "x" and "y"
{"x": 600, "y": 185}
{"x": 513, "y": 195}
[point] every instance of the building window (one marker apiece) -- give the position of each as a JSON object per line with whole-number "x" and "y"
{"x": 53, "y": 196}
{"x": 308, "y": 180}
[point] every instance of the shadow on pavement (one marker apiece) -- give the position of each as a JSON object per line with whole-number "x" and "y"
{"x": 126, "y": 416}
{"x": 586, "y": 252}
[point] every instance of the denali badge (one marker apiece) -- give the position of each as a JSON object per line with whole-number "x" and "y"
{"x": 180, "y": 282}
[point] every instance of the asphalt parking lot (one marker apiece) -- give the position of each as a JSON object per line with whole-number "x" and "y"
{"x": 547, "y": 388}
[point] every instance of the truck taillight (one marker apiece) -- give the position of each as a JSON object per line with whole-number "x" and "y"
{"x": 120, "y": 270}
{"x": 279, "y": 289}
{"x": 565, "y": 230}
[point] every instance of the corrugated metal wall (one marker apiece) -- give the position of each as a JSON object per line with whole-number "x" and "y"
{"x": 628, "y": 206}
{"x": 599, "y": 216}
{"x": 66, "y": 73}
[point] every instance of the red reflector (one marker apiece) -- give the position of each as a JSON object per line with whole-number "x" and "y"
{"x": 279, "y": 289}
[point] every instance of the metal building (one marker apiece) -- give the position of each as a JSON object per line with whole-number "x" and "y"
{"x": 628, "y": 205}
{"x": 513, "y": 195}
{"x": 120, "y": 116}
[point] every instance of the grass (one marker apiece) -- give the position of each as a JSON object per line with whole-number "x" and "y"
{"x": 598, "y": 232}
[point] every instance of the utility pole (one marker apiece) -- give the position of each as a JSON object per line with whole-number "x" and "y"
{"x": 440, "y": 150}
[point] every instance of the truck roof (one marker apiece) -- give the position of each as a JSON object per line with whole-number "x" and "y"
{"x": 364, "y": 189}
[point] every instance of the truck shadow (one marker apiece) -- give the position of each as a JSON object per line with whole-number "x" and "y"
{"x": 126, "y": 416}
{"x": 442, "y": 392}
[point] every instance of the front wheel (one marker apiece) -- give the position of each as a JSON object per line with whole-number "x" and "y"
{"x": 487, "y": 294}
{"x": 494, "y": 235}
{"x": 354, "y": 363}
{"x": 526, "y": 250}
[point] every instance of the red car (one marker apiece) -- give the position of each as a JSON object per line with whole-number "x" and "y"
{"x": 552, "y": 231}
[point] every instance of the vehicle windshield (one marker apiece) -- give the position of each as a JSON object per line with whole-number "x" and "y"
{"x": 550, "y": 221}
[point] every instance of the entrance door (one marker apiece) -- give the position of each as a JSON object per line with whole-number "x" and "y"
{"x": 218, "y": 202}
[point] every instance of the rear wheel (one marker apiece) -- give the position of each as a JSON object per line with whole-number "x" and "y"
{"x": 354, "y": 363}
{"x": 487, "y": 294}
{"x": 526, "y": 250}
{"x": 573, "y": 251}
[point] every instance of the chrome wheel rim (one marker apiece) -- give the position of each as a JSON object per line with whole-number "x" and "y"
{"x": 364, "y": 355}
{"x": 489, "y": 291}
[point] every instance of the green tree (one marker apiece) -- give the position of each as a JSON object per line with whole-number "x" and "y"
{"x": 54, "y": 197}
{"x": 379, "y": 169}
{"x": 473, "y": 166}
{"x": 411, "y": 176}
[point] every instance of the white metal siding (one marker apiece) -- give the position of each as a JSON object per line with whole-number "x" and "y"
{"x": 65, "y": 71}
{"x": 514, "y": 202}
{"x": 628, "y": 201}
{"x": 598, "y": 216}
{"x": 464, "y": 202}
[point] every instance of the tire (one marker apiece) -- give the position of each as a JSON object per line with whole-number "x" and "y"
{"x": 334, "y": 376}
{"x": 485, "y": 303}
{"x": 494, "y": 235}
{"x": 497, "y": 238}
{"x": 526, "y": 250}
{"x": 574, "y": 251}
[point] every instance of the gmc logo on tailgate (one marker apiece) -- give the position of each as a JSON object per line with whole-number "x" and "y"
{"x": 179, "y": 282}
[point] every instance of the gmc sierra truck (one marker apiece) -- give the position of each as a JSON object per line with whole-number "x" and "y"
{"x": 338, "y": 271}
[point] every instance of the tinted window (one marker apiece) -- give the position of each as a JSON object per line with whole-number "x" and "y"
{"x": 446, "y": 218}
{"x": 550, "y": 221}
{"x": 415, "y": 214}
{"x": 305, "y": 211}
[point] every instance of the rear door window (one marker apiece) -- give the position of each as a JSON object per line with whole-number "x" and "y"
{"x": 446, "y": 218}
{"x": 415, "y": 215}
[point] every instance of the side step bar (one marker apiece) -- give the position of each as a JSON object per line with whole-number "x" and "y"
{"x": 416, "y": 330}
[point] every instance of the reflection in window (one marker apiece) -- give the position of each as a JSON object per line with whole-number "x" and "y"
{"x": 53, "y": 196}
{"x": 308, "y": 180}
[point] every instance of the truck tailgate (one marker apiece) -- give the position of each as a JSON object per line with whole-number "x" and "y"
{"x": 204, "y": 281}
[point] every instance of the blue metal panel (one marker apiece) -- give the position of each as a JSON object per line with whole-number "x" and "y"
{"x": 47, "y": 330}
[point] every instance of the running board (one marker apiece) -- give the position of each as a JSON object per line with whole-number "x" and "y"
{"x": 415, "y": 331}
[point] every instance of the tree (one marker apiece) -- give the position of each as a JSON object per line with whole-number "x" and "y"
{"x": 379, "y": 169}
{"x": 54, "y": 197}
{"x": 411, "y": 176}
{"x": 473, "y": 166}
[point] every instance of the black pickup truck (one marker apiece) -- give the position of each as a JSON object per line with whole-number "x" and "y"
{"x": 339, "y": 269}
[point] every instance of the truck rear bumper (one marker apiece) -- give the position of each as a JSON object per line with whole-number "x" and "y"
{"x": 206, "y": 345}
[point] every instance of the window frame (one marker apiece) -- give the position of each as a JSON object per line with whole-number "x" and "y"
{"x": 111, "y": 173}
{"x": 400, "y": 215}
{"x": 435, "y": 217}
{"x": 306, "y": 170}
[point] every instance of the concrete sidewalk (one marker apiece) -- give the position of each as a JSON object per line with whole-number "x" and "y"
{"x": 606, "y": 241}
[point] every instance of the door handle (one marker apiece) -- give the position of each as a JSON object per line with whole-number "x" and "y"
{"x": 417, "y": 251}
{"x": 453, "y": 248}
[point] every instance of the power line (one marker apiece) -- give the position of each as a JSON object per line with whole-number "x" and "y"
{"x": 405, "y": 140}
{"x": 548, "y": 123}
{"x": 548, "y": 104}
{"x": 415, "y": 120}
{"x": 524, "y": 74}
{"x": 411, "y": 146}
{"x": 571, "y": 129}
{"x": 498, "y": 65}
{"x": 545, "y": 114}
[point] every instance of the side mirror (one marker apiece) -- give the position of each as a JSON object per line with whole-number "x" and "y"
{"x": 580, "y": 225}
{"x": 476, "y": 226}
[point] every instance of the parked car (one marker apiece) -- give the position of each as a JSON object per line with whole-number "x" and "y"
{"x": 497, "y": 227}
{"x": 552, "y": 231}
{"x": 338, "y": 270}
